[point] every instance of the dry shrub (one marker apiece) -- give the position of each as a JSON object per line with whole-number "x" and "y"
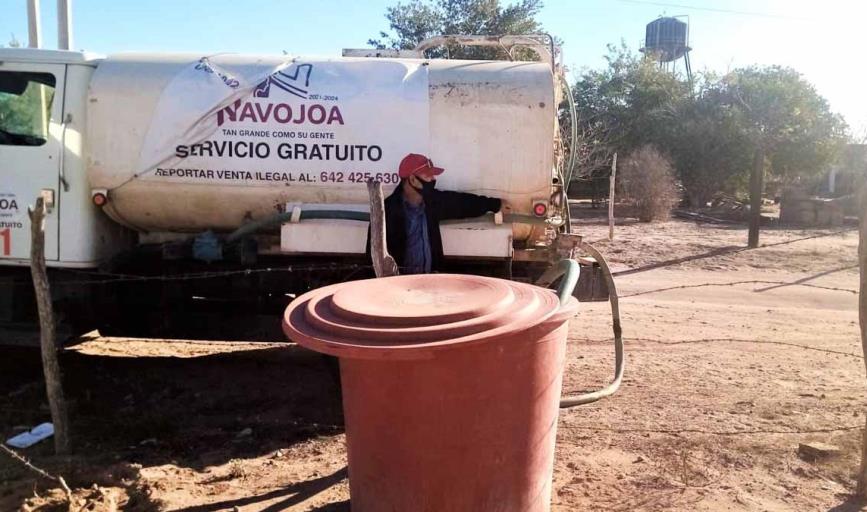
{"x": 237, "y": 469}
{"x": 647, "y": 183}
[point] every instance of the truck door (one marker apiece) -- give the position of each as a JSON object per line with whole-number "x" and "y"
{"x": 31, "y": 113}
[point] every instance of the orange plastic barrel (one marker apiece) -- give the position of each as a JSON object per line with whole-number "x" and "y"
{"x": 451, "y": 386}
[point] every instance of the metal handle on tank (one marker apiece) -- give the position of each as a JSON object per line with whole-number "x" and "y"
{"x": 570, "y": 270}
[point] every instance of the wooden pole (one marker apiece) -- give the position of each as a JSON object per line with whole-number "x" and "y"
{"x": 383, "y": 264}
{"x": 47, "y": 337}
{"x": 756, "y": 180}
{"x": 862, "y": 318}
{"x": 611, "y": 198}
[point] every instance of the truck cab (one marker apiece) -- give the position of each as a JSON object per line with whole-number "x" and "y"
{"x": 42, "y": 121}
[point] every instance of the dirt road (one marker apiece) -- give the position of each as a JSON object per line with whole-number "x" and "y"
{"x": 734, "y": 357}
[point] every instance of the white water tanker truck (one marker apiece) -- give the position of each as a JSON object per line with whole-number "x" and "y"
{"x": 184, "y": 190}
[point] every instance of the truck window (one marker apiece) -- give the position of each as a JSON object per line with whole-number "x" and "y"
{"x": 25, "y": 107}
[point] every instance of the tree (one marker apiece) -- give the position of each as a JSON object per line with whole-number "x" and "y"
{"x": 708, "y": 144}
{"x": 786, "y": 116}
{"x": 763, "y": 119}
{"x": 711, "y": 131}
{"x": 13, "y": 42}
{"x": 411, "y": 23}
{"x": 789, "y": 123}
{"x": 628, "y": 104}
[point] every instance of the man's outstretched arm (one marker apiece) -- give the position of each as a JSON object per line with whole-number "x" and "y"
{"x": 463, "y": 205}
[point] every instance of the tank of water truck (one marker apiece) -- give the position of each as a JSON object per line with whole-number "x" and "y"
{"x": 182, "y": 143}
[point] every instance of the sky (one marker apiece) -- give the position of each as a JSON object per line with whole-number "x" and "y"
{"x": 822, "y": 40}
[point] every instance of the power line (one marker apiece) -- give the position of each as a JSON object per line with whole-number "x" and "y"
{"x": 716, "y": 9}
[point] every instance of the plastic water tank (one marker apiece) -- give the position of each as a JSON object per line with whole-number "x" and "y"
{"x": 451, "y": 387}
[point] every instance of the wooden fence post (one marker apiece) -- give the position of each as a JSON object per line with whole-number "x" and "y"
{"x": 47, "y": 334}
{"x": 756, "y": 180}
{"x": 861, "y": 490}
{"x": 383, "y": 264}
{"x": 611, "y": 198}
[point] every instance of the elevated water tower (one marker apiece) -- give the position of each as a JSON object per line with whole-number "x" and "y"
{"x": 666, "y": 40}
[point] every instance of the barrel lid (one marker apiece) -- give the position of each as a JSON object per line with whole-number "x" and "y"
{"x": 407, "y": 316}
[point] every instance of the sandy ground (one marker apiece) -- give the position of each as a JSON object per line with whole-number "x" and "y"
{"x": 734, "y": 358}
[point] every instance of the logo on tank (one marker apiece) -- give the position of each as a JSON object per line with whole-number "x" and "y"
{"x": 294, "y": 81}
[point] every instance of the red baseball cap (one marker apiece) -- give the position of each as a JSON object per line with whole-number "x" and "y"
{"x": 414, "y": 163}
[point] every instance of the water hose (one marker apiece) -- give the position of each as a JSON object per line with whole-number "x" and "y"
{"x": 279, "y": 218}
{"x": 569, "y": 270}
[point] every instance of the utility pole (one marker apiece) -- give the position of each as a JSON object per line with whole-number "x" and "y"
{"x": 756, "y": 185}
{"x": 34, "y": 25}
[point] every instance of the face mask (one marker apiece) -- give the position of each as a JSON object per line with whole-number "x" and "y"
{"x": 426, "y": 187}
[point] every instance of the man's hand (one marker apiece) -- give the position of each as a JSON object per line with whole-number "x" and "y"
{"x": 504, "y": 210}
